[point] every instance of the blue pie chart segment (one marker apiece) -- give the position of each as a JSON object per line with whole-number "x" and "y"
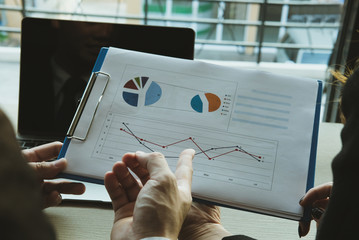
{"x": 153, "y": 94}
{"x": 197, "y": 104}
{"x": 141, "y": 91}
{"x": 130, "y": 98}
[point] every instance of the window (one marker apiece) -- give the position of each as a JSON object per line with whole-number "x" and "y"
{"x": 256, "y": 31}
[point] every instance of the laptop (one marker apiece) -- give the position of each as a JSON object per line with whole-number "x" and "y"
{"x": 53, "y": 50}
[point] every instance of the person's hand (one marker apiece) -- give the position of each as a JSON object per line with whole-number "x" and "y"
{"x": 39, "y": 159}
{"x": 317, "y": 199}
{"x": 158, "y": 204}
{"x": 203, "y": 222}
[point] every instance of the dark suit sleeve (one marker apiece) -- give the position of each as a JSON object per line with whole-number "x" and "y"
{"x": 21, "y": 215}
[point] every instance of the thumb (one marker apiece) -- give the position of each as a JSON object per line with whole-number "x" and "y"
{"x": 184, "y": 171}
{"x": 49, "y": 170}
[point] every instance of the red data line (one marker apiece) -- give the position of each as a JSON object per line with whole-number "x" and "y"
{"x": 209, "y": 158}
{"x": 237, "y": 149}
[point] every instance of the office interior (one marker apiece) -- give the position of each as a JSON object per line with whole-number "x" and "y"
{"x": 69, "y": 217}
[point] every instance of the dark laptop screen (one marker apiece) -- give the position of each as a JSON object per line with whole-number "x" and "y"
{"x": 53, "y": 50}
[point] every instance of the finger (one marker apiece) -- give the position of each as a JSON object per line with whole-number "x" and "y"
{"x": 155, "y": 163}
{"x": 303, "y": 228}
{"x": 115, "y": 191}
{"x": 132, "y": 163}
{"x": 317, "y": 193}
{"x": 127, "y": 181}
{"x": 64, "y": 187}
{"x": 43, "y": 152}
{"x": 52, "y": 199}
{"x": 184, "y": 171}
{"x": 49, "y": 170}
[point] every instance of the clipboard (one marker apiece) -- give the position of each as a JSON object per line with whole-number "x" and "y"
{"x": 99, "y": 80}
{"x": 102, "y": 78}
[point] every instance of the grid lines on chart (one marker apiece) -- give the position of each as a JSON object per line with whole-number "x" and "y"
{"x": 122, "y": 134}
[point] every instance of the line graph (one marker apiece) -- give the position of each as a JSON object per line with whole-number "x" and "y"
{"x": 236, "y": 148}
{"x": 220, "y": 156}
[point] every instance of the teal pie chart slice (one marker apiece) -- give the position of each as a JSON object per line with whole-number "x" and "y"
{"x": 197, "y": 104}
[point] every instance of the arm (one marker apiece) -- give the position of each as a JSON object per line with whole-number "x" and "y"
{"x": 20, "y": 202}
{"x": 154, "y": 206}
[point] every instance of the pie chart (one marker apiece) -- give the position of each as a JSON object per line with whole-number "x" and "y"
{"x": 141, "y": 91}
{"x": 208, "y": 103}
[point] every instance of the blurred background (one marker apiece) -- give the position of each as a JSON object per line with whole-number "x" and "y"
{"x": 296, "y": 37}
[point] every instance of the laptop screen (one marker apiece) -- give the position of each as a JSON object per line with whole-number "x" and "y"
{"x": 53, "y": 51}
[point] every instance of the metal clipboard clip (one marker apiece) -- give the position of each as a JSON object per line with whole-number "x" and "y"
{"x": 89, "y": 107}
